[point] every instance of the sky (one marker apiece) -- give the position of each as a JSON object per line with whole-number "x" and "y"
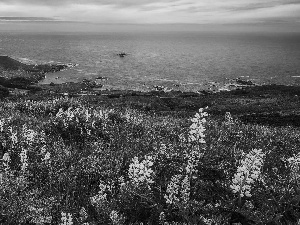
{"x": 153, "y": 11}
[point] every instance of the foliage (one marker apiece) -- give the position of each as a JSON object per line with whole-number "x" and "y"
{"x": 68, "y": 161}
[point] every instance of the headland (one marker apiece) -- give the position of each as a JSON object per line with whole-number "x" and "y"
{"x": 275, "y": 105}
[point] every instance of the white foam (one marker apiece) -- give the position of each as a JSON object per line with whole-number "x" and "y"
{"x": 26, "y": 60}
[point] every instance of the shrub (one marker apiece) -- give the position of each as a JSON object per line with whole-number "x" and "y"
{"x": 69, "y": 161}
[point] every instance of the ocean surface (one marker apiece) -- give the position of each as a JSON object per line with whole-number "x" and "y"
{"x": 187, "y": 60}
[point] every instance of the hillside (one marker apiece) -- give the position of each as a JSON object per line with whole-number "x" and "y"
{"x": 7, "y": 63}
{"x": 15, "y": 74}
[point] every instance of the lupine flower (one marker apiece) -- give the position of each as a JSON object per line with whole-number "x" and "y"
{"x": 294, "y": 165}
{"x": 162, "y": 218}
{"x": 185, "y": 189}
{"x": 115, "y": 217}
{"x": 101, "y": 197}
{"x": 28, "y": 134}
{"x": 248, "y": 204}
{"x": 24, "y": 159}
{"x": 122, "y": 182}
{"x": 66, "y": 218}
{"x": 60, "y": 113}
{"x": 83, "y": 214}
{"x": 87, "y": 116}
{"x": 178, "y": 190}
{"x": 14, "y": 138}
{"x": 1, "y": 125}
{"x": 228, "y": 118}
{"x": 197, "y": 129}
{"x": 193, "y": 158}
{"x": 141, "y": 172}
{"x": 47, "y": 156}
{"x": 247, "y": 173}
{"x": 6, "y": 161}
{"x": 173, "y": 190}
{"x": 206, "y": 221}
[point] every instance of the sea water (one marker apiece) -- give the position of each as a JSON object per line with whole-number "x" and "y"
{"x": 184, "y": 60}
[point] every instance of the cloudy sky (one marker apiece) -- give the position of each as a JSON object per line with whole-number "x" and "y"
{"x": 153, "y": 11}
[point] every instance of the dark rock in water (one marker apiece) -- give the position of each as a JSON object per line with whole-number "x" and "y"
{"x": 159, "y": 88}
{"x": 102, "y": 78}
{"x": 244, "y": 82}
{"x": 122, "y": 54}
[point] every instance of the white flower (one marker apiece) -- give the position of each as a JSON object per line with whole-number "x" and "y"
{"x": 28, "y": 134}
{"x": 14, "y": 138}
{"x": 141, "y": 172}
{"x": 114, "y": 216}
{"x": 197, "y": 129}
{"x": 247, "y": 173}
{"x": 1, "y": 125}
{"x": 122, "y": 182}
{"x": 101, "y": 197}
{"x": 162, "y": 218}
{"x": 173, "y": 190}
{"x": 24, "y": 159}
{"x": 6, "y": 161}
{"x": 228, "y": 118}
{"x": 185, "y": 189}
{"x": 294, "y": 165}
{"x": 6, "y": 157}
{"x": 66, "y": 218}
{"x": 87, "y": 115}
{"x": 83, "y": 214}
{"x": 60, "y": 113}
{"x": 178, "y": 190}
{"x": 47, "y": 156}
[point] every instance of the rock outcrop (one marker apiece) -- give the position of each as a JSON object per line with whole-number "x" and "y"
{"x": 15, "y": 74}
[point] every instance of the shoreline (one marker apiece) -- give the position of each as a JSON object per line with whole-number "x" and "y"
{"x": 277, "y": 105}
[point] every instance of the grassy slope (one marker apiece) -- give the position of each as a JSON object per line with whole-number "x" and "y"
{"x": 271, "y": 104}
{"x": 84, "y": 153}
{"x": 125, "y": 124}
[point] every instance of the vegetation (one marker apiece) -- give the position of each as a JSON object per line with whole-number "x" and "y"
{"x": 73, "y": 161}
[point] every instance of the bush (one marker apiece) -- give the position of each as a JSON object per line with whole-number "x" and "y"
{"x": 68, "y": 161}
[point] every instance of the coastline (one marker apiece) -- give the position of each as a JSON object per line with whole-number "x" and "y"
{"x": 277, "y": 105}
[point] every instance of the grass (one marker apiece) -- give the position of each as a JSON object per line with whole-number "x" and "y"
{"x": 74, "y": 158}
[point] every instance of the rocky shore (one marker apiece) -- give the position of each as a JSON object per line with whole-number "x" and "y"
{"x": 15, "y": 74}
{"x": 274, "y": 105}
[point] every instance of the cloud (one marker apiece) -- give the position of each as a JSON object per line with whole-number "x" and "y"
{"x": 155, "y": 11}
{"x": 13, "y": 18}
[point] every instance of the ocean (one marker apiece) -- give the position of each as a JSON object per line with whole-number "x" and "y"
{"x": 184, "y": 60}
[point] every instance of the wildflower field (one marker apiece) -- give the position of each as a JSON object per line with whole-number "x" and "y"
{"x": 71, "y": 161}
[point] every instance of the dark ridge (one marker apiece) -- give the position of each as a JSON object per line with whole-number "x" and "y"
{"x": 7, "y": 63}
{"x": 16, "y": 74}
